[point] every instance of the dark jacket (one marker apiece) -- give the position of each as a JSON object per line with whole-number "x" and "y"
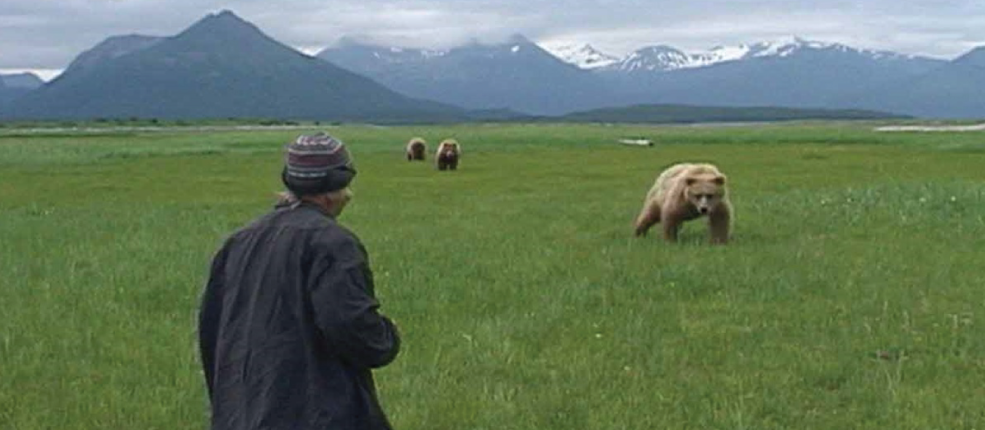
{"x": 289, "y": 327}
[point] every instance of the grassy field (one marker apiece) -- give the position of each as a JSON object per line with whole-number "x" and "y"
{"x": 850, "y": 298}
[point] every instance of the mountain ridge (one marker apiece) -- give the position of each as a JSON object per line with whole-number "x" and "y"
{"x": 224, "y": 66}
{"x": 220, "y": 66}
{"x": 793, "y": 72}
{"x": 664, "y": 57}
{"x": 516, "y": 74}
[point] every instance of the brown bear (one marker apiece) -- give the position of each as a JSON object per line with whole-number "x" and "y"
{"x": 447, "y": 155}
{"x": 416, "y": 148}
{"x": 684, "y": 192}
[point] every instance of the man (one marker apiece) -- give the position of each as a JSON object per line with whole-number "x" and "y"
{"x": 289, "y": 327}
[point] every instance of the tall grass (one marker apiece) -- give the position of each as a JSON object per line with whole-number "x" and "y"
{"x": 850, "y": 296}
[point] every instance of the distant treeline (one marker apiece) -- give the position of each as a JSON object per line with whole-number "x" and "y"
{"x": 664, "y": 114}
{"x": 155, "y": 122}
{"x": 642, "y": 114}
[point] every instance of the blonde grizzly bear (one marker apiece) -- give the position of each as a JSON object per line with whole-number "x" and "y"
{"x": 447, "y": 155}
{"x": 416, "y": 148}
{"x": 684, "y": 192}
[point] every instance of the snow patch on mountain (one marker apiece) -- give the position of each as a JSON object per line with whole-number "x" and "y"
{"x": 665, "y": 58}
{"x": 582, "y": 55}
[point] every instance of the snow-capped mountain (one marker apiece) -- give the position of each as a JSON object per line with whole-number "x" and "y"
{"x": 517, "y": 74}
{"x": 653, "y": 58}
{"x": 403, "y": 55}
{"x": 551, "y": 78}
{"x": 355, "y": 55}
{"x": 790, "y": 46}
{"x": 662, "y": 58}
{"x": 584, "y": 56}
{"x": 792, "y": 72}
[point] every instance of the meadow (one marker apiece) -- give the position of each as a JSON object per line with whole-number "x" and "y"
{"x": 850, "y": 297}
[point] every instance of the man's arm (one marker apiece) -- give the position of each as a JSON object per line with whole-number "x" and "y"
{"x": 209, "y": 315}
{"x": 346, "y": 309}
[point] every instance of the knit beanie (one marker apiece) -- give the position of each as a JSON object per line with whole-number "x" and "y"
{"x": 316, "y": 164}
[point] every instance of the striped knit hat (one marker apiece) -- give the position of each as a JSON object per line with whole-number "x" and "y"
{"x": 317, "y": 164}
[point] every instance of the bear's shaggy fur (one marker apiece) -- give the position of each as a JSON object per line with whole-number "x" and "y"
{"x": 447, "y": 155}
{"x": 684, "y": 192}
{"x": 416, "y": 148}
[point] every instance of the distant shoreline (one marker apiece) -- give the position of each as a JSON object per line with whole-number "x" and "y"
{"x": 975, "y": 127}
{"x": 125, "y": 129}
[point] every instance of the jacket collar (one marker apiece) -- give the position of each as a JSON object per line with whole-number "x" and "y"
{"x": 312, "y": 206}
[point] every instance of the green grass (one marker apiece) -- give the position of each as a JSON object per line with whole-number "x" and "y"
{"x": 850, "y": 297}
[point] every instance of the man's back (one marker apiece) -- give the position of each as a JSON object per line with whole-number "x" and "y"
{"x": 289, "y": 328}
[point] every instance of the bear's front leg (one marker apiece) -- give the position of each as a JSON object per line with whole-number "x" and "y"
{"x": 649, "y": 216}
{"x": 718, "y": 225}
{"x": 671, "y": 226}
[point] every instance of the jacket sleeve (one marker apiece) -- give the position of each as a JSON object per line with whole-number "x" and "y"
{"x": 209, "y": 315}
{"x": 346, "y": 310}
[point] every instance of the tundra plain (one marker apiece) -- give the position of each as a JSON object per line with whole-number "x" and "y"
{"x": 851, "y": 295}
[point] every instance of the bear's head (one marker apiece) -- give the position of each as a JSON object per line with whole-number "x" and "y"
{"x": 449, "y": 147}
{"x": 416, "y": 144}
{"x": 705, "y": 191}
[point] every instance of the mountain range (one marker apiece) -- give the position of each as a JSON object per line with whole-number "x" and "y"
{"x": 798, "y": 74}
{"x": 793, "y": 73}
{"x": 223, "y": 66}
{"x": 220, "y": 67}
{"x": 517, "y": 75}
{"x": 662, "y": 58}
{"x": 954, "y": 90}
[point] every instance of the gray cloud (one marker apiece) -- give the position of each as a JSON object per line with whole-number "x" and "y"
{"x": 48, "y": 34}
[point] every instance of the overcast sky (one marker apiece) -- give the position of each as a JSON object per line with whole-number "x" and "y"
{"x": 48, "y": 34}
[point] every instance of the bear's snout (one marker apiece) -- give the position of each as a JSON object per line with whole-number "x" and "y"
{"x": 704, "y": 211}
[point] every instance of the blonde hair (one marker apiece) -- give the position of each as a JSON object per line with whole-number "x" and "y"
{"x": 344, "y": 193}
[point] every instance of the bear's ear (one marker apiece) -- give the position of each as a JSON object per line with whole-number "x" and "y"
{"x": 720, "y": 180}
{"x": 690, "y": 181}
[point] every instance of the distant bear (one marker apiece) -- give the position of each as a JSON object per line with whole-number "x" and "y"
{"x": 416, "y": 148}
{"x": 684, "y": 192}
{"x": 447, "y": 155}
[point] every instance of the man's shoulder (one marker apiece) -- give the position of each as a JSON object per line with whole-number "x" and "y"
{"x": 323, "y": 230}
{"x": 334, "y": 235}
{"x": 279, "y": 219}
{"x": 335, "y": 239}
{"x": 288, "y": 217}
